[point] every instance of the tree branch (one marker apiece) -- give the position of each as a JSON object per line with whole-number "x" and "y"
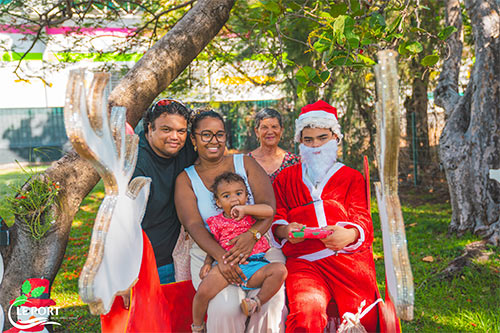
{"x": 156, "y": 17}
{"x": 169, "y": 57}
{"x": 447, "y": 88}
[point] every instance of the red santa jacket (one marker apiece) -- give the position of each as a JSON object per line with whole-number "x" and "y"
{"x": 339, "y": 200}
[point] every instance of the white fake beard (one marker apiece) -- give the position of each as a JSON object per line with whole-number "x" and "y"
{"x": 318, "y": 160}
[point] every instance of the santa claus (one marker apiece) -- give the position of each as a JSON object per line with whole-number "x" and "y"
{"x": 322, "y": 192}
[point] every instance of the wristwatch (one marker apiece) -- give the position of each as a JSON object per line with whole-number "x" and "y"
{"x": 256, "y": 233}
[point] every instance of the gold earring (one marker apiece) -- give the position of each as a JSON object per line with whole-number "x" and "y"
{"x": 195, "y": 148}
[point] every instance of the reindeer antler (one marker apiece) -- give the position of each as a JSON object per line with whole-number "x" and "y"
{"x": 100, "y": 140}
{"x": 115, "y": 252}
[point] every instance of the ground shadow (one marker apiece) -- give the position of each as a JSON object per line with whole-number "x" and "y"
{"x": 32, "y": 135}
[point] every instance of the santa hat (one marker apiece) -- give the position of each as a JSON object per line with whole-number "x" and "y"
{"x": 317, "y": 115}
{"x": 34, "y": 298}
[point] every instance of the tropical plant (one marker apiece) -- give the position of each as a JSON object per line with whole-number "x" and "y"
{"x": 34, "y": 203}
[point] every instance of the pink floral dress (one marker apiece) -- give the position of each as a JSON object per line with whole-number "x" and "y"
{"x": 289, "y": 160}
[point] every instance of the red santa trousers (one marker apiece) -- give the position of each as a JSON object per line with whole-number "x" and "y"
{"x": 310, "y": 287}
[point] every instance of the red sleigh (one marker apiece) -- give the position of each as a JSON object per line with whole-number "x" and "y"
{"x": 153, "y": 307}
{"x": 167, "y": 308}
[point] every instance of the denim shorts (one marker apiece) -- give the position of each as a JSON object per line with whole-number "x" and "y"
{"x": 166, "y": 273}
{"x": 255, "y": 262}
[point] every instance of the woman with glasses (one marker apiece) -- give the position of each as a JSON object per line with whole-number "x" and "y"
{"x": 269, "y": 129}
{"x": 208, "y": 135}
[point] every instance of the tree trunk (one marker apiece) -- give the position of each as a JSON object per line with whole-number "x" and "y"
{"x": 361, "y": 96}
{"x": 470, "y": 143}
{"x": 417, "y": 129}
{"x": 25, "y": 257}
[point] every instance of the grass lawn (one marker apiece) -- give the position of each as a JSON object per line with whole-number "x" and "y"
{"x": 469, "y": 302}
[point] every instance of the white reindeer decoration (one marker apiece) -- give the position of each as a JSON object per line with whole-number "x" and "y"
{"x": 116, "y": 247}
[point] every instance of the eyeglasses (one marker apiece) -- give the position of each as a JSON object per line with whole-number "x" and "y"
{"x": 206, "y": 136}
{"x": 165, "y": 102}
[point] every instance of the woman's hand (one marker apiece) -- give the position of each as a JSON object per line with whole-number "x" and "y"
{"x": 204, "y": 270}
{"x": 243, "y": 246}
{"x": 232, "y": 273}
{"x": 238, "y": 212}
{"x": 340, "y": 238}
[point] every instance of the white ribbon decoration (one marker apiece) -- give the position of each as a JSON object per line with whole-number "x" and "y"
{"x": 353, "y": 321}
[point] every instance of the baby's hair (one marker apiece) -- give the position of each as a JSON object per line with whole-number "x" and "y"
{"x": 227, "y": 177}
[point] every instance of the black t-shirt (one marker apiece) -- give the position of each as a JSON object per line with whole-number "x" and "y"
{"x": 160, "y": 221}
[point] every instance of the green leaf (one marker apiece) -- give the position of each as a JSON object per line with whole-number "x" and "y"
{"x": 354, "y": 42}
{"x": 293, "y": 6}
{"x": 416, "y": 29}
{"x": 367, "y": 41}
{"x": 338, "y": 9}
{"x": 341, "y": 61}
{"x": 430, "y": 60}
{"x": 338, "y": 25}
{"x": 305, "y": 74}
{"x": 20, "y": 300}
{"x": 37, "y": 291}
{"x": 355, "y": 7}
{"x": 415, "y": 47}
{"x": 316, "y": 79}
{"x": 395, "y": 24}
{"x": 367, "y": 60}
{"x": 446, "y": 32}
{"x": 300, "y": 89}
{"x": 402, "y": 48}
{"x": 324, "y": 76}
{"x": 325, "y": 15}
{"x": 349, "y": 28}
{"x": 26, "y": 287}
{"x": 377, "y": 20}
{"x": 301, "y": 77}
{"x": 391, "y": 37}
{"x": 271, "y": 5}
{"x": 324, "y": 42}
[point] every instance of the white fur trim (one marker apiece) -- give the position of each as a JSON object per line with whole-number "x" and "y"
{"x": 274, "y": 240}
{"x": 317, "y": 114}
{"x": 317, "y": 122}
{"x": 317, "y": 191}
{"x": 321, "y": 254}
{"x": 361, "y": 239}
{"x": 318, "y": 255}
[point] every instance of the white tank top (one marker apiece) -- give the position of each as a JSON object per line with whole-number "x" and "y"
{"x": 205, "y": 198}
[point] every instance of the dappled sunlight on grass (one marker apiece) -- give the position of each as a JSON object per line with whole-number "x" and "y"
{"x": 76, "y": 224}
{"x": 65, "y": 287}
{"x": 65, "y": 299}
{"x": 480, "y": 321}
{"x": 468, "y": 302}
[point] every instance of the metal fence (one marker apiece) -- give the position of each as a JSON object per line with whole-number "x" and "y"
{"x": 32, "y": 135}
{"x": 38, "y": 134}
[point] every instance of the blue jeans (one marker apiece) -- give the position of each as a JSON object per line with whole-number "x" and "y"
{"x": 166, "y": 273}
